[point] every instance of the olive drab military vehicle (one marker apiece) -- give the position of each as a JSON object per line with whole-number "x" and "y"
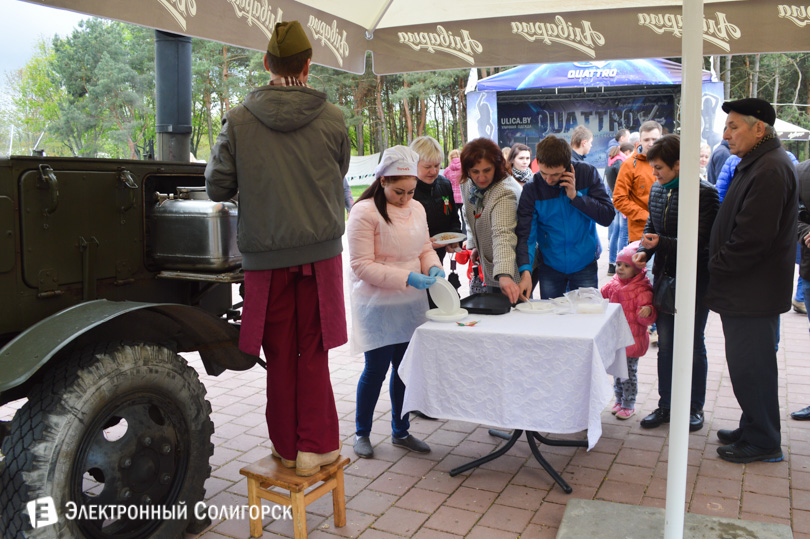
{"x": 108, "y": 270}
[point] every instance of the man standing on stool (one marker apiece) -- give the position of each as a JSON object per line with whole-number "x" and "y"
{"x": 751, "y": 258}
{"x": 291, "y": 219}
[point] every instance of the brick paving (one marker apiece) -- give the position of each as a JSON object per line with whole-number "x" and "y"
{"x": 401, "y": 494}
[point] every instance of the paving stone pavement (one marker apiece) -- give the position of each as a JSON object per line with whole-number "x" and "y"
{"x": 401, "y": 494}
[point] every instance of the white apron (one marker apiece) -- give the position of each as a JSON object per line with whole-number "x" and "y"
{"x": 383, "y": 316}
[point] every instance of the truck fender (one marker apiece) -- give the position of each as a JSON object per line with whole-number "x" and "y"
{"x": 188, "y": 328}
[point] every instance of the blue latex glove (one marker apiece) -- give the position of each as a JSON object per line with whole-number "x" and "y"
{"x": 417, "y": 280}
{"x": 436, "y": 271}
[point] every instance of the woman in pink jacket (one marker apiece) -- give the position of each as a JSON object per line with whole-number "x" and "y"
{"x": 392, "y": 263}
{"x": 631, "y": 288}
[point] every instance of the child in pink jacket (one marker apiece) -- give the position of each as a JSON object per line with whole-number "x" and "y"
{"x": 633, "y": 291}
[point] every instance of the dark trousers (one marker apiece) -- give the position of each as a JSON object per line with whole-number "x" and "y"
{"x": 751, "y": 357}
{"x": 378, "y": 361}
{"x": 554, "y": 284}
{"x": 700, "y": 364}
{"x": 301, "y": 414}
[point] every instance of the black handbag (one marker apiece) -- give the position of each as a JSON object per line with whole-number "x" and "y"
{"x": 664, "y": 294}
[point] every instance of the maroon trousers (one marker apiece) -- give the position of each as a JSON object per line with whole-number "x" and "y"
{"x": 301, "y": 414}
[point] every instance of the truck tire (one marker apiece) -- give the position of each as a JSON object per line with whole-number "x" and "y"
{"x": 117, "y": 425}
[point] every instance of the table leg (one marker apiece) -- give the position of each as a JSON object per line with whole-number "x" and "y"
{"x": 499, "y": 434}
{"x": 530, "y": 436}
{"x": 486, "y": 458}
{"x": 564, "y": 443}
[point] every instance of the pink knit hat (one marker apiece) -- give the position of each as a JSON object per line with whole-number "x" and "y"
{"x": 626, "y": 254}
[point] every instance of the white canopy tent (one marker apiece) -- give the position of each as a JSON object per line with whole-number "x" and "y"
{"x": 788, "y": 131}
{"x": 421, "y": 35}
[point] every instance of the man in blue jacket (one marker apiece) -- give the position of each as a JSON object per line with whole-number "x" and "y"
{"x": 557, "y": 214}
{"x": 716, "y": 161}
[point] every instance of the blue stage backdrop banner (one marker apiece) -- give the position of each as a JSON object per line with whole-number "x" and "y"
{"x": 529, "y": 122}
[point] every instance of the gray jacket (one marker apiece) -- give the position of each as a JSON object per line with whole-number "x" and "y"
{"x": 286, "y": 151}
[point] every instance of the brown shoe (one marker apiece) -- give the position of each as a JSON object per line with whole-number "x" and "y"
{"x": 284, "y": 462}
{"x": 310, "y": 463}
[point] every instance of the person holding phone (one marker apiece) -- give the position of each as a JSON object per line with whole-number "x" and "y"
{"x": 557, "y": 214}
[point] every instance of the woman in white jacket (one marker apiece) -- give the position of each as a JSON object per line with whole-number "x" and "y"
{"x": 392, "y": 263}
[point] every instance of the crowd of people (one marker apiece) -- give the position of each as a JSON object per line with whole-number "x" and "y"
{"x": 526, "y": 230}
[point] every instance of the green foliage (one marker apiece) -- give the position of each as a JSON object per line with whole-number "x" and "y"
{"x": 92, "y": 93}
{"x": 106, "y": 70}
{"x": 34, "y": 97}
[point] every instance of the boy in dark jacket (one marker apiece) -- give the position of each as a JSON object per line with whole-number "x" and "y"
{"x": 285, "y": 150}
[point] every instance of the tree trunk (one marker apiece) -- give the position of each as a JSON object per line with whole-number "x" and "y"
{"x": 361, "y": 139}
{"x": 422, "y": 116}
{"x": 727, "y": 79}
{"x": 383, "y": 124}
{"x": 776, "y": 92}
{"x": 408, "y": 120}
{"x": 749, "y": 76}
{"x": 209, "y": 107}
{"x": 755, "y": 85}
{"x": 226, "y": 101}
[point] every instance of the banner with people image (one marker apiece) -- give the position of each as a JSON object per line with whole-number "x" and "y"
{"x": 528, "y": 122}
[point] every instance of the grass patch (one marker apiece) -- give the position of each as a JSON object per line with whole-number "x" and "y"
{"x": 357, "y": 190}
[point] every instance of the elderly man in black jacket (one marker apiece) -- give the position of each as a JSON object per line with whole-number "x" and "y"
{"x": 803, "y": 173}
{"x": 751, "y": 258}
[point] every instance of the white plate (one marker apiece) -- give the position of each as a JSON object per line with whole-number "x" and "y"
{"x": 536, "y": 307}
{"x": 437, "y": 316}
{"x": 444, "y": 296}
{"x": 446, "y": 238}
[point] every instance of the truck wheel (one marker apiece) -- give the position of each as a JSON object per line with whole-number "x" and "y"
{"x": 118, "y": 428}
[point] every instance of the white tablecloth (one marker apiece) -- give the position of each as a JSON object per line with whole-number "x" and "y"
{"x": 538, "y": 372}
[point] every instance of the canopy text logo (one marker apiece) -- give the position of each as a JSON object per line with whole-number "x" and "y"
{"x": 800, "y": 15}
{"x": 258, "y": 13}
{"x": 717, "y": 31}
{"x": 180, "y": 9}
{"x": 330, "y": 36}
{"x": 583, "y": 38}
{"x": 462, "y": 46}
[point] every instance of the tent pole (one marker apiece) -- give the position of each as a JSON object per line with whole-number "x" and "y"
{"x": 692, "y": 55}
{"x": 377, "y": 19}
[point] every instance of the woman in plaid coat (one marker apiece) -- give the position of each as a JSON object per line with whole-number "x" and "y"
{"x": 490, "y": 209}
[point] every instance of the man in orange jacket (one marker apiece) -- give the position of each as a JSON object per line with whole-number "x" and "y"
{"x": 634, "y": 182}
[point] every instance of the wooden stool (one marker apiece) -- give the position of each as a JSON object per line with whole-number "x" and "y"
{"x": 269, "y": 472}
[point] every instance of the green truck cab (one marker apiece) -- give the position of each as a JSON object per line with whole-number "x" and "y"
{"x": 108, "y": 270}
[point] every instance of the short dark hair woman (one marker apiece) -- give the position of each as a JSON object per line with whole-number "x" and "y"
{"x": 660, "y": 238}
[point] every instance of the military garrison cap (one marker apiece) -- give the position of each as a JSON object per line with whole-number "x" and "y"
{"x": 288, "y": 38}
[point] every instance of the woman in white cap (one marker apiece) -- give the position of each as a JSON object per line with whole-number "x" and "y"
{"x": 392, "y": 263}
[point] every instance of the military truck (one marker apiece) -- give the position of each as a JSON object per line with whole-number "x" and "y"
{"x": 108, "y": 270}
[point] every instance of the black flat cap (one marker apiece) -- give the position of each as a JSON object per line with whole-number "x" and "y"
{"x": 752, "y": 106}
